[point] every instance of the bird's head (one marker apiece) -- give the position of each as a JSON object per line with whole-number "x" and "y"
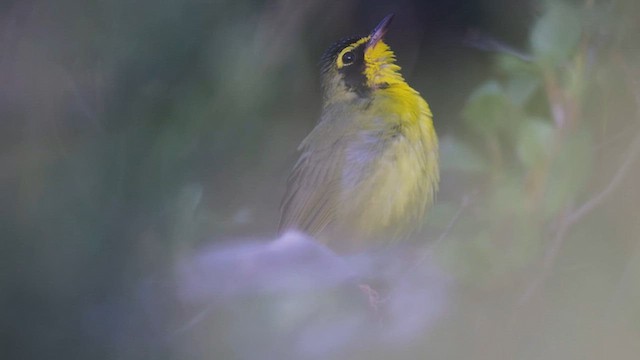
{"x": 358, "y": 66}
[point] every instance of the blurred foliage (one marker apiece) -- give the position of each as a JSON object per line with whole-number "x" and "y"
{"x": 134, "y": 133}
{"x": 552, "y": 136}
{"x": 534, "y": 134}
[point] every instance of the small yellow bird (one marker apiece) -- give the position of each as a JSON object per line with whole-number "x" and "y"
{"x": 369, "y": 169}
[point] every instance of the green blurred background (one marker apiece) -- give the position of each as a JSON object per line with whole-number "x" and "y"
{"x": 134, "y": 133}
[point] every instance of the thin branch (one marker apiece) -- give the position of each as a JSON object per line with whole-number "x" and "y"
{"x": 613, "y": 184}
{"x": 481, "y": 41}
{"x": 575, "y": 216}
{"x": 466, "y": 200}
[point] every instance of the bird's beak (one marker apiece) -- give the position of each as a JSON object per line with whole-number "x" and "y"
{"x": 379, "y": 31}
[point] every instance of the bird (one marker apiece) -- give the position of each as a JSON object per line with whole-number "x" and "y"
{"x": 368, "y": 170}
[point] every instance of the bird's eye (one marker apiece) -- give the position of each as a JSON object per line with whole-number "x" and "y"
{"x": 348, "y": 58}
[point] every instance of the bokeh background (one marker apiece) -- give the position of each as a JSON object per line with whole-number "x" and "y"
{"x": 144, "y": 148}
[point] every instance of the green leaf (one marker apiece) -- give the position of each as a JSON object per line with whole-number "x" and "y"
{"x": 458, "y": 156}
{"x": 569, "y": 172}
{"x": 521, "y": 86}
{"x": 534, "y": 141}
{"x": 488, "y": 108}
{"x": 556, "y": 34}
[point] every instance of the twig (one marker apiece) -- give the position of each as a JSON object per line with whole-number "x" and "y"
{"x": 576, "y": 215}
{"x": 466, "y": 200}
{"x": 478, "y": 40}
{"x": 613, "y": 184}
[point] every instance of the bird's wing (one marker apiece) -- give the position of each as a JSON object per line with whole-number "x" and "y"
{"x": 309, "y": 203}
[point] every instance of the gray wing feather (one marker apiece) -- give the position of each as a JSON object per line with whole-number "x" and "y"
{"x": 309, "y": 202}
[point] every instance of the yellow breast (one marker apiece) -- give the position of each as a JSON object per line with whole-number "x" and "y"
{"x": 390, "y": 171}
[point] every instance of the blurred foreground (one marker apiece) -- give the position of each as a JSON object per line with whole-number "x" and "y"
{"x": 296, "y": 299}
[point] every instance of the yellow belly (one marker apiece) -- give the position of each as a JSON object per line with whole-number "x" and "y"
{"x": 385, "y": 191}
